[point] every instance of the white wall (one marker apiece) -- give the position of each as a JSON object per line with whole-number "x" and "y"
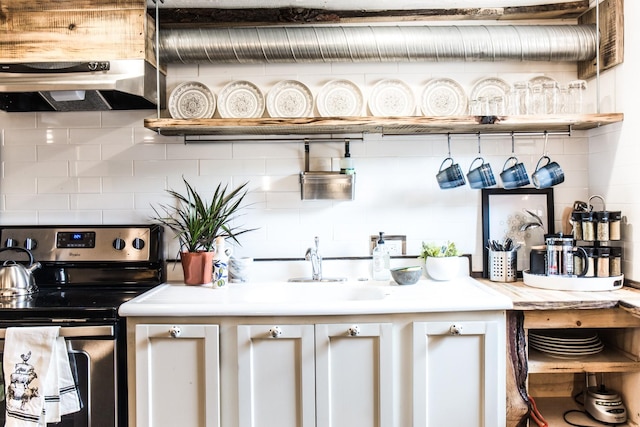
{"x": 92, "y": 167}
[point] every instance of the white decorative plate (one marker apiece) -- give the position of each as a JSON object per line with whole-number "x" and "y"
{"x": 490, "y": 88}
{"x": 240, "y": 100}
{"x": 339, "y": 98}
{"x": 192, "y": 100}
{"x": 289, "y": 98}
{"x": 392, "y": 97}
{"x": 443, "y": 97}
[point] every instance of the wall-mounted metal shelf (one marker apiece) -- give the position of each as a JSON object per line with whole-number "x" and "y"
{"x": 381, "y": 125}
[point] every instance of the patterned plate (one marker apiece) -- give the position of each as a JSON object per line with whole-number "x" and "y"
{"x": 443, "y": 97}
{"x": 192, "y": 100}
{"x": 241, "y": 100}
{"x": 339, "y": 98}
{"x": 392, "y": 97}
{"x": 490, "y": 88}
{"x": 289, "y": 98}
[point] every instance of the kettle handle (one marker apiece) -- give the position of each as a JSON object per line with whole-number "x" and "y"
{"x": 17, "y": 248}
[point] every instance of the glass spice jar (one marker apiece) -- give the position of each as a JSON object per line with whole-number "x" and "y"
{"x": 602, "y": 262}
{"x": 602, "y": 225}
{"x": 615, "y": 261}
{"x": 590, "y": 260}
{"x": 615, "y": 218}
{"x": 588, "y": 227}
{"x": 576, "y": 222}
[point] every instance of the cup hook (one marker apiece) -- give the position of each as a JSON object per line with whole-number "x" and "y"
{"x": 449, "y": 144}
{"x": 513, "y": 143}
{"x": 546, "y": 139}
{"x": 479, "y": 150}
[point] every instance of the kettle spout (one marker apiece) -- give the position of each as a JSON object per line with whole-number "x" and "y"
{"x": 34, "y": 266}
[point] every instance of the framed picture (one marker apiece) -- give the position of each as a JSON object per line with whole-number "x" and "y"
{"x": 523, "y": 215}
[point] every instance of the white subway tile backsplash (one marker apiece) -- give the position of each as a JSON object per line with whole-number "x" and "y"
{"x": 102, "y": 168}
{"x": 13, "y": 136}
{"x": 81, "y": 119}
{"x": 105, "y": 167}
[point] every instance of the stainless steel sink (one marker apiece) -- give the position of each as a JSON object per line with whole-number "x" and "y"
{"x": 323, "y": 280}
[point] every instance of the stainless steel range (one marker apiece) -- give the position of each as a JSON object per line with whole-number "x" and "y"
{"x": 87, "y": 272}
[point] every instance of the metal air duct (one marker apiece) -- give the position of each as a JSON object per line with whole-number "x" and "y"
{"x": 551, "y": 43}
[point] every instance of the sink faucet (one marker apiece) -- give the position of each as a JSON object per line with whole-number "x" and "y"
{"x": 314, "y": 256}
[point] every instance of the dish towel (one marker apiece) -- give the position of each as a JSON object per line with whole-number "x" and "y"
{"x": 39, "y": 387}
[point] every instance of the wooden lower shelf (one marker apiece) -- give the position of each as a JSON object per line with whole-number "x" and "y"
{"x": 553, "y": 408}
{"x": 609, "y": 360}
{"x": 381, "y": 125}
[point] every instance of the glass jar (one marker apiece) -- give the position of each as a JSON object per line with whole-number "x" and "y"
{"x": 550, "y": 94}
{"x": 563, "y": 100}
{"x": 576, "y": 222}
{"x": 615, "y": 218}
{"x": 615, "y": 261}
{"x": 590, "y": 260}
{"x": 496, "y": 106}
{"x": 536, "y": 100}
{"x": 588, "y": 227}
{"x": 602, "y": 225}
{"x": 576, "y": 96}
{"x": 520, "y": 98}
{"x": 602, "y": 262}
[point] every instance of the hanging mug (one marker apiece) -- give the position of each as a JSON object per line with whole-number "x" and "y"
{"x": 514, "y": 176}
{"x": 548, "y": 175}
{"x": 450, "y": 177}
{"x": 482, "y": 176}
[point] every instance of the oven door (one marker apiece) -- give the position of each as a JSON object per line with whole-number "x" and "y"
{"x": 92, "y": 356}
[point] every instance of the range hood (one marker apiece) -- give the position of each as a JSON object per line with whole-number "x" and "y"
{"x": 80, "y": 86}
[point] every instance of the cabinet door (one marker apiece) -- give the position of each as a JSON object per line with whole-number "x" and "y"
{"x": 457, "y": 379}
{"x": 276, "y": 384}
{"x": 354, "y": 375}
{"x": 177, "y": 375}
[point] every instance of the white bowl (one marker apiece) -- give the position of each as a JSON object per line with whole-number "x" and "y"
{"x": 442, "y": 268}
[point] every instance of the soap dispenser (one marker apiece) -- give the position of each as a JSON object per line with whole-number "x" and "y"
{"x": 380, "y": 261}
{"x": 346, "y": 163}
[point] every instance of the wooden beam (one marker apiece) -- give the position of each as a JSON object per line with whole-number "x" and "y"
{"x": 178, "y": 17}
{"x": 611, "y": 37}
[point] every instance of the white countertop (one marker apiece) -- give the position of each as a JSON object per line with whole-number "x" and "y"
{"x": 340, "y": 298}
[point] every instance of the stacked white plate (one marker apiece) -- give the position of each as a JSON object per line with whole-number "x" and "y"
{"x": 566, "y": 344}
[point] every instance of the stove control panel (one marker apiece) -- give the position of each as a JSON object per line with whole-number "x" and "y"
{"x": 85, "y": 243}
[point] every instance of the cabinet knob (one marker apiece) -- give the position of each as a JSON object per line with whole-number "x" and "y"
{"x": 353, "y": 331}
{"x": 275, "y": 332}
{"x": 175, "y": 331}
{"x": 455, "y": 329}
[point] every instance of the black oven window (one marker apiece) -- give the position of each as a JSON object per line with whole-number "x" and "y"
{"x": 80, "y": 367}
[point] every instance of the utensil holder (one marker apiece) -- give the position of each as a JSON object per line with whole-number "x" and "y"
{"x": 503, "y": 266}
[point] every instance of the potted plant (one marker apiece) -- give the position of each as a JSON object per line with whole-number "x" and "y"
{"x": 441, "y": 261}
{"x": 198, "y": 222}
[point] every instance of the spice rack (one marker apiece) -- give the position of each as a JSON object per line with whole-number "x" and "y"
{"x": 595, "y": 231}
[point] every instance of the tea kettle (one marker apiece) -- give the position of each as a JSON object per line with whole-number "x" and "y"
{"x": 16, "y": 280}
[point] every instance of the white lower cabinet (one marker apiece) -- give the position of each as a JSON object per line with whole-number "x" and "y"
{"x": 397, "y": 370}
{"x": 177, "y": 375}
{"x": 458, "y": 374}
{"x": 325, "y": 375}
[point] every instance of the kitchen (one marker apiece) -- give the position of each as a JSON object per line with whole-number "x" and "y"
{"x": 106, "y": 168}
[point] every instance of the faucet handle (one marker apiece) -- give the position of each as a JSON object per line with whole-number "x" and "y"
{"x": 317, "y": 242}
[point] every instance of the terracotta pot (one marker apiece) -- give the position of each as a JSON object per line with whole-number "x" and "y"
{"x": 197, "y": 267}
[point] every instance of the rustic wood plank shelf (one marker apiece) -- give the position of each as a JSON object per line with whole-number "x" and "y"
{"x": 609, "y": 360}
{"x": 380, "y": 125}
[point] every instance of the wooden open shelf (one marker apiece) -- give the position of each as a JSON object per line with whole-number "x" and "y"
{"x": 381, "y": 125}
{"x": 609, "y": 360}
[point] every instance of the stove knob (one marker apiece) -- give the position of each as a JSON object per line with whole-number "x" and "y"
{"x": 10, "y": 243}
{"x": 138, "y": 243}
{"x": 119, "y": 244}
{"x": 30, "y": 243}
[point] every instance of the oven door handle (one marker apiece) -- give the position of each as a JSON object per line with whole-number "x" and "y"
{"x": 79, "y": 331}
